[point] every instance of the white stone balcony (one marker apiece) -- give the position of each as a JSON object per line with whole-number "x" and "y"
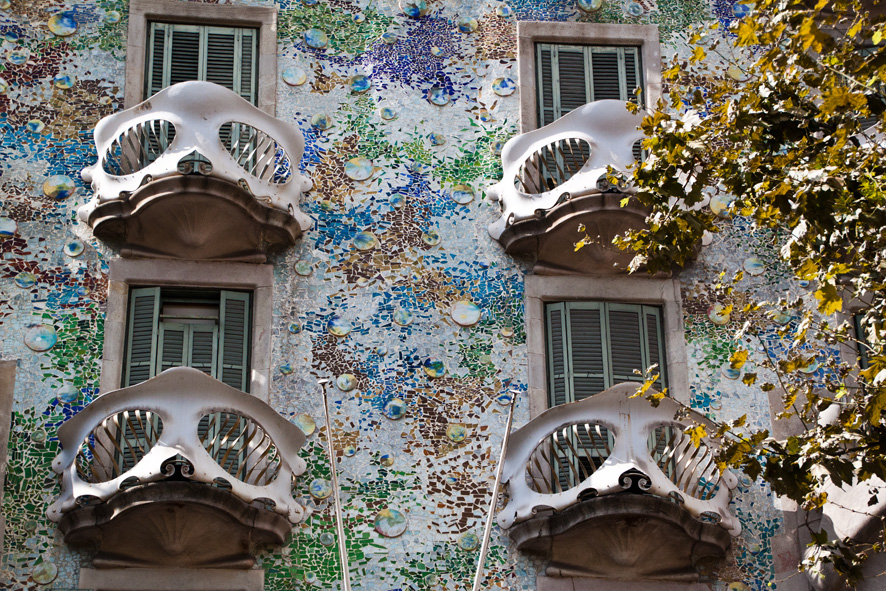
{"x": 196, "y": 172}
{"x": 556, "y": 178}
{"x": 611, "y": 485}
{"x": 172, "y": 463}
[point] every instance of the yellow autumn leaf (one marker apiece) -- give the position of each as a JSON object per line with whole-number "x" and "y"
{"x": 829, "y": 301}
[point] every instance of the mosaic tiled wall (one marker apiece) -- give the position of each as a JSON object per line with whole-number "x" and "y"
{"x": 404, "y": 118}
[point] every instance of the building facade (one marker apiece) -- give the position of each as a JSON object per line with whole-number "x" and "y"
{"x": 357, "y": 272}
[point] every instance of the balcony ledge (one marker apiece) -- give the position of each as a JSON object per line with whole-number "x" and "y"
{"x": 625, "y": 536}
{"x": 598, "y": 485}
{"x": 196, "y": 172}
{"x": 138, "y": 470}
{"x": 174, "y": 525}
{"x": 194, "y": 217}
{"x": 551, "y": 236}
{"x": 556, "y": 179}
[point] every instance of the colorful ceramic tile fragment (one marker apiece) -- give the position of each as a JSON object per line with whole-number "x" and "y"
{"x": 306, "y": 423}
{"x": 394, "y": 409}
{"x": 390, "y": 523}
{"x": 365, "y": 241}
{"x": 402, "y": 317}
{"x": 294, "y": 76}
{"x": 465, "y": 313}
{"x": 339, "y": 327}
{"x": 41, "y": 338}
{"x": 346, "y": 382}
{"x": 58, "y": 187}
{"x": 316, "y": 38}
{"x": 62, "y": 24}
{"x": 359, "y": 168}
{"x": 504, "y": 86}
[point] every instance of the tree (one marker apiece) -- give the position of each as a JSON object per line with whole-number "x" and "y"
{"x": 767, "y": 122}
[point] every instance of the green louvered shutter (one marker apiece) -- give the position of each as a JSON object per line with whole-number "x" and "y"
{"x": 203, "y": 348}
{"x": 570, "y": 76}
{"x": 141, "y": 342}
{"x": 626, "y": 343}
{"x": 587, "y": 356}
{"x": 557, "y": 355}
{"x": 545, "y": 84}
{"x": 234, "y": 330}
{"x": 174, "y": 345}
{"x": 655, "y": 344}
{"x": 223, "y": 55}
{"x": 595, "y": 345}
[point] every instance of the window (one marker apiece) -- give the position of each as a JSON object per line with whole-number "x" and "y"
{"x": 131, "y": 348}
{"x": 594, "y": 345}
{"x": 576, "y": 63}
{"x": 570, "y": 76}
{"x": 174, "y": 327}
{"x": 223, "y": 55}
{"x": 231, "y": 45}
{"x": 591, "y": 347}
{"x": 571, "y": 296}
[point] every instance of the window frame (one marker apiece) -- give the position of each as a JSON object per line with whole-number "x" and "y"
{"x": 604, "y": 308}
{"x": 529, "y": 33}
{"x": 127, "y": 274}
{"x": 162, "y": 295}
{"x": 261, "y": 18}
{"x": 663, "y": 293}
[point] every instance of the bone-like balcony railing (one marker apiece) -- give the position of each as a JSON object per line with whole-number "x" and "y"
{"x": 181, "y": 423}
{"x": 607, "y": 444}
{"x": 564, "y": 159}
{"x": 202, "y": 127}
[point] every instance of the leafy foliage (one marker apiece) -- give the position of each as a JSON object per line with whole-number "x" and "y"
{"x": 768, "y": 124}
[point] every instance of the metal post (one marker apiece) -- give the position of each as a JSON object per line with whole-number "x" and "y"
{"x": 339, "y": 519}
{"x": 487, "y": 532}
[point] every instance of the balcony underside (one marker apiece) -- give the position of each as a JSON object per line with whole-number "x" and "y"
{"x": 194, "y": 217}
{"x": 624, "y": 536}
{"x": 550, "y": 237}
{"x": 174, "y": 524}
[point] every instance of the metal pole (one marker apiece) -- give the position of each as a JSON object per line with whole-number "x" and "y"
{"x": 339, "y": 520}
{"x": 487, "y": 532}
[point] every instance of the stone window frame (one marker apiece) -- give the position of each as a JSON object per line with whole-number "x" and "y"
{"x": 125, "y": 274}
{"x": 263, "y": 18}
{"x": 665, "y": 293}
{"x": 531, "y": 32}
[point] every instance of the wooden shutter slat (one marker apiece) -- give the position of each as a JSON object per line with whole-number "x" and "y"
{"x": 220, "y": 59}
{"x": 184, "y": 56}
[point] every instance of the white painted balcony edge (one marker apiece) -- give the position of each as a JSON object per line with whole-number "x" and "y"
{"x": 630, "y": 421}
{"x": 262, "y": 158}
{"x": 180, "y": 397}
{"x": 607, "y": 126}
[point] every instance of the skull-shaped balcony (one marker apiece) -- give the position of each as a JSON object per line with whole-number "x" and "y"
{"x": 196, "y": 172}
{"x": 178, "y": 471}
{"x": 557, "y": 188}
{"x": 611, "y": 487}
